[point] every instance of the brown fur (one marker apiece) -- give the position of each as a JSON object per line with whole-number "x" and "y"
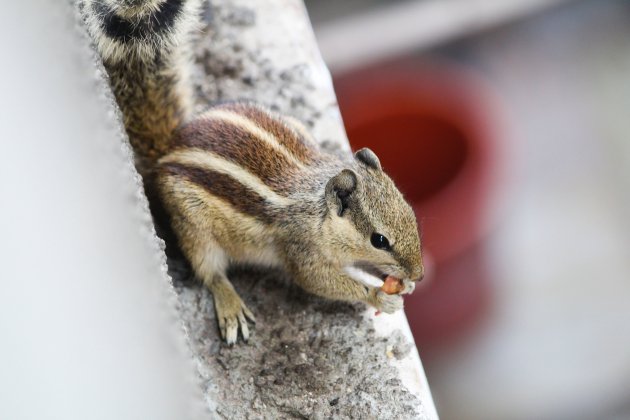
{"x": 309, "y": 238}
{"x": 152, "y": 107}
{"x": 245, "y": 150}
{"x": 242, "y": 184}
{"x": 289, "y": 136}
{"x": 224, "y": 187}
{"x": 148, "y": 72}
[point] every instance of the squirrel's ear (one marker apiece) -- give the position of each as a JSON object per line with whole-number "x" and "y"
{"x": 368, "y": 157}
{"x": 340, "y": 188}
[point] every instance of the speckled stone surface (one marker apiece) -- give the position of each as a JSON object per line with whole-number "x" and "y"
{"x": 307, "y": 357}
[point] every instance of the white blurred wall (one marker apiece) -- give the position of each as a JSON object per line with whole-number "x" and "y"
{"x": 87, "y": 324}
{"x": 556, "y": 342}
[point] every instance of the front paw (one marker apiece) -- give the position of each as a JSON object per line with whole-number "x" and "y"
{"x": 408, "y": 287}
{"x": 386, "y": 303}
{"x": 231, "y": 319}
{"x": 232, "y": 314}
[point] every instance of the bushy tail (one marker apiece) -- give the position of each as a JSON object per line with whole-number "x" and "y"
{"x": 145, "y": 49}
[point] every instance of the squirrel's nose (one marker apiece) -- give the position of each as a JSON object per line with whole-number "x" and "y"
{"x": 418, "y": 273}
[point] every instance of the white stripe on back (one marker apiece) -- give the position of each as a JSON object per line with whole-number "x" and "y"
{"x": 204, "y": 159}
{"x": 250, "y": 126}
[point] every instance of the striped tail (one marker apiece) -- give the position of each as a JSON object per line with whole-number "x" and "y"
{"x": 138, "y": 30}
{"x": 144, "y": 47}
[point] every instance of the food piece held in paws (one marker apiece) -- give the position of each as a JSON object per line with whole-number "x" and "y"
{"x": 392, "y": 285}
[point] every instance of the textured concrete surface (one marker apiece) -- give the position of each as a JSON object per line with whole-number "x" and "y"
{"x": 89, "y": 324}
{"x": 308, "y": 358}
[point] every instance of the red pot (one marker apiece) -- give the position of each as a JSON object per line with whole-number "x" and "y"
{"x": 434, "y": 128}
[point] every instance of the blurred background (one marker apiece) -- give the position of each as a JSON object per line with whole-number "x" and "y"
{"x": 507, "y": 125}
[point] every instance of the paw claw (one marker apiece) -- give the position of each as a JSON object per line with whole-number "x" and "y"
{"x": 249, "y": 314}
{"x": 243, "y": 325}
{"x": 231, "y": 331}
{"x": 222, "y": 327}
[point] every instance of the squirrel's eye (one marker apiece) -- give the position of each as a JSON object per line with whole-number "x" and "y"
{"x": 380, "y": 242}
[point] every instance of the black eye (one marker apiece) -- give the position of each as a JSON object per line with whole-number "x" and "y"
{"x": 380, "y": 242}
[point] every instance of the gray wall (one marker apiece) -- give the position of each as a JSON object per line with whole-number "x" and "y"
{"x": 85, "y": 329}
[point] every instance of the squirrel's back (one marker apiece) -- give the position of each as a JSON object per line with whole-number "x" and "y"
{"x": 258, "y": 162}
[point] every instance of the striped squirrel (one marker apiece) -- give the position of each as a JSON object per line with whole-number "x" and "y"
{"x": 244, "y": 185}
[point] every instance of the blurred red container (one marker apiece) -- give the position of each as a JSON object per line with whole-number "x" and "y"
{"x": 434, "y": 128}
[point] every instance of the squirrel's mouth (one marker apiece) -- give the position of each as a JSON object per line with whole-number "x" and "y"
{"x": 367, "y": 274}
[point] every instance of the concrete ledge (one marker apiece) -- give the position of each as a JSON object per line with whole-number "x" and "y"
{"x": 91, "y": 326}
{"x": 308, "y": 358}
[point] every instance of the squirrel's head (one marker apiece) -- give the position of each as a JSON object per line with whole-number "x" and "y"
{"x": 371, "y": 228}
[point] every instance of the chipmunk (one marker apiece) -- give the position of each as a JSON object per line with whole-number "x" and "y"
{"x": 242, "y": 184}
